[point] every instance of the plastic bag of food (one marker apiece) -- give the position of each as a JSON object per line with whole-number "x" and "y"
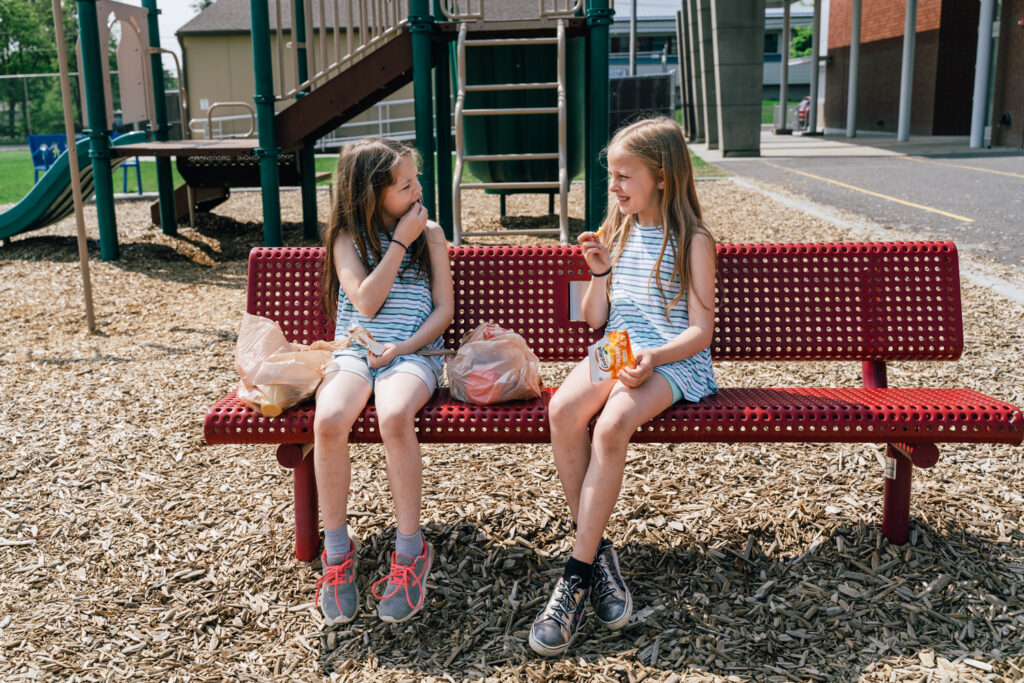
{"x": 609, "y": 354}
{"x": 494, "y": 365}
{"x": 275, "y": 373}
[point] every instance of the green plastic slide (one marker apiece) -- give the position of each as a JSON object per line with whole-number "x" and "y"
{"x": 51, "y": 199}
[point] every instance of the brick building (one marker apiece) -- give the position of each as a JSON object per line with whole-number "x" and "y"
{"x": 943, "y": 83}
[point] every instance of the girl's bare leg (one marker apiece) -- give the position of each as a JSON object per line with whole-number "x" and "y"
{"x": 340, "y": 400}
{"x": 399, "y": 397}
{"x": 569, "y": 414}
{"x": 624, "y": 412}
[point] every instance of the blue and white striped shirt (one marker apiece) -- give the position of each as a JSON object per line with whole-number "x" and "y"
{"x": 409, "y": 304}
{"x": 637, "y": 307}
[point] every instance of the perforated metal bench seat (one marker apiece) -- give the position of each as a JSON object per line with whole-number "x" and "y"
{"x": 731, "y": 416}
{"x": 861, "y": 302}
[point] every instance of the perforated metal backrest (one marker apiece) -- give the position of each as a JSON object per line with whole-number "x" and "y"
{"x": 854, "y": 301}
{"x": 839, "y": 301}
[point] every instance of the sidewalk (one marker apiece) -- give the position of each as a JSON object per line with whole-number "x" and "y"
{"x": 934, "y": 187}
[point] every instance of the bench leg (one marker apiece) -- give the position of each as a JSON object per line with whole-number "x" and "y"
{"x": 307, "y": 516}
{"x": 896, "y": 499}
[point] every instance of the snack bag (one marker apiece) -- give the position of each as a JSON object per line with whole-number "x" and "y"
{"x": 359, "y": 335}
{"x": 493, "y": 365}
{"x": 275, "y": 373}
{"x": 609, "y": 354}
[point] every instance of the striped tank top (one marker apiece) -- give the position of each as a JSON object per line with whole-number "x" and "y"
{"x": 407, "y": 307}
{"x": 637, "y": 306}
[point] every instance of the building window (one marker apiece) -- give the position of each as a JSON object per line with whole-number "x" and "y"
{"x": 771, "y": 42}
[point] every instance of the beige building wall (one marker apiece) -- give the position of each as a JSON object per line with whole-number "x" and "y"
{"x": 219, "y": 68}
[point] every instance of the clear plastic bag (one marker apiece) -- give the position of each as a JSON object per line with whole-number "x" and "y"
{"x": 494, "y": 365}
{"x": 275, "y": 373}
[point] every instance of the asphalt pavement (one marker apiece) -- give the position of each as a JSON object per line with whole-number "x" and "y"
{"x": 933, "y": 187}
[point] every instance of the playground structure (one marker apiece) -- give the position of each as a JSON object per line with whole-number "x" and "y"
{"x": 385, "y": 49}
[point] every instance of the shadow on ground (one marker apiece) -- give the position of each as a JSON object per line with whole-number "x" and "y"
{"x": 849, "y": 603}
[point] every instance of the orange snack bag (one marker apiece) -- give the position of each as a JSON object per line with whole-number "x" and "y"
{"x": 610, "y": 354}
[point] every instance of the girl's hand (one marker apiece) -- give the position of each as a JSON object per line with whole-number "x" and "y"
{"x": 594, "y": 252}
{"x": 411, "y": 224}
{"x": 390, "y": 353}
{"x": 634, "y": 377}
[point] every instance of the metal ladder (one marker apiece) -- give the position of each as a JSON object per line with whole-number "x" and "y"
{"x": 562, "y": 184}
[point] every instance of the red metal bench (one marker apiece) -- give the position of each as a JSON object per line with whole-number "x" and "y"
{"x": 868, "y": 302}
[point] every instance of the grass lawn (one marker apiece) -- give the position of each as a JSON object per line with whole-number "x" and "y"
{"x": 767, "y": 109}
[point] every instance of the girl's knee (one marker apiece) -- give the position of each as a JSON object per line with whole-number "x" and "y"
{"x": 563, "y": 413}
{"x": 612, "y": 429}
{"x": 333, "y": 425}
{"x": 395, "y": 422}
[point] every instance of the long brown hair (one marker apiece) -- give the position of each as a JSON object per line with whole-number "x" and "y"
{"x": 365, "y": 171}
{"x": 658, "y": 143}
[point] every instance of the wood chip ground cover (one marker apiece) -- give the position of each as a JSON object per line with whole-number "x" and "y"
{"x": 131, "y": 550}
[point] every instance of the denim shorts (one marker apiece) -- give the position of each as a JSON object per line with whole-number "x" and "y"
{"x": 359, "y": 366}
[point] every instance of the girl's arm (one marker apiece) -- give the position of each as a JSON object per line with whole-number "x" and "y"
{"x": 369, "y": 292}
{"x": 698, "y": 335}
{"x": 442, "y": 290}
{"x": 594, "y": 305}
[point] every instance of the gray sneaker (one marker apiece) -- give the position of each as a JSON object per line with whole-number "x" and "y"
{"x": 556, "y": 626}
{"x": 337, "y": 596}
{"x": 609, "y": 595}
{"x": 405, "y": 586}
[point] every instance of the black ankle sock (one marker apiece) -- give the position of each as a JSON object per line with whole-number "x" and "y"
{"x": 581, "y": 569}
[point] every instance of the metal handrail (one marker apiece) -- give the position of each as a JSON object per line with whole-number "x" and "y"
{"x": 182, "y": 97}
{"x": 252, "y": 118}
{"x": 567, "y": 11}
{"x": 450, "y": 8}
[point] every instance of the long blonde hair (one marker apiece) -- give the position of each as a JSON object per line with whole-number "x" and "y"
{"x": 365, "y": 171}
{"x": 658, "y": 143}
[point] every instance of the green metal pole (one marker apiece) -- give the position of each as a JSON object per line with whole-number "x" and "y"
{"x": 164, "y": 181}
{"x": 599, "y": 17}
{"x": 307, "y": 157}
{"x": 443, "y": 111}
{"x": 99, "y": 144}
{"x": 421, "y": 24}
{"x": 268, "y": 150}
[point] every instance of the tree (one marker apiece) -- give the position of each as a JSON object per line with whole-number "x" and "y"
{"x": 800, "y": 46}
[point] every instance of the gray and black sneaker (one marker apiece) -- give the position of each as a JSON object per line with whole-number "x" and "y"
{"x": 405, "y": 586}
{"x": 336, "y": 593}
{"x": 556, "y": 626}
{"x": 609, "y": 595}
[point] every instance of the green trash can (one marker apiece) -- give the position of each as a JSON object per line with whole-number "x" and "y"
{"x": 524, "y": 133}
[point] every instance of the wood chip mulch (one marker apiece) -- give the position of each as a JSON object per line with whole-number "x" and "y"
{"x": 131, "y": 550}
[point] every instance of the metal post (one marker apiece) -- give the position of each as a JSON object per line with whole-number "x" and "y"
{"x": 907, "y": 70}
{"x": 307, "y": 157}
{"x": 632, "y": 38}
{"x": 443, "y": 112}
{"x": 421, "y": 25}
{"x": 599, "y": 17}
{"x": 696, "y": 72}
{"x": 164, "y": 179}
{"x": 73, "y": 167}
{"x": 982, "y": 64}
{"x": 898, "y": 470}
{"x": 99, "y": 144}
{"x": 812, "y": 113}
{"x": 851, "y": 96}
{"x": 787, "y": 40}
{"x": 268, "y": 150}
{"x": 28, "y": 113}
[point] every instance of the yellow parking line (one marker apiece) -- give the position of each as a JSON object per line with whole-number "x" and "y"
{"x": 873, "y": 194}
{"x": 972, "y": 168}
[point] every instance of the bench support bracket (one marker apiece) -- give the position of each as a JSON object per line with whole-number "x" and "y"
{"x": 896, "y": 498}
